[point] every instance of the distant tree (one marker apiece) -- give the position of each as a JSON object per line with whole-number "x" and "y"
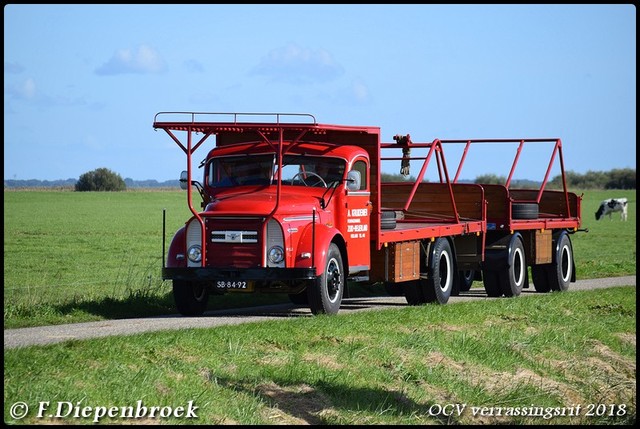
{"x": 490, "y": 179}
{"x": 621, "y": 179}
{"x": 614, "y": 179}
{"x": 101, "y": 179}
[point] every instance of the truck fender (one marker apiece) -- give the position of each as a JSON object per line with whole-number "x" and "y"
{"x": 497, "y": 259}
{"x": 324, "y": 235}
{"x": 177, "y": 248}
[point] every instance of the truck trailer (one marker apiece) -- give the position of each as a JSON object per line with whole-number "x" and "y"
{"x": 292, "y": 206}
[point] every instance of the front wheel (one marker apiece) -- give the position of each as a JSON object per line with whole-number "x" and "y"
{"x": 326, "y": 297}
{"x": 191, "y": 298}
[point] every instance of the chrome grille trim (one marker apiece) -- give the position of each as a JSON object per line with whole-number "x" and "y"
{"x": 234, "y": 237}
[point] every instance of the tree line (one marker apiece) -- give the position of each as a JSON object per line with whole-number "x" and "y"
{"x": 103, "y": 179}
{"x": 624, "y": 178}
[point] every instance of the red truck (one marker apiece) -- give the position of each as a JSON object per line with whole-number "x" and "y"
{"x": 292, "y": 206}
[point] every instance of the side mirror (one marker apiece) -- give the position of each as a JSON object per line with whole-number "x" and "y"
{"x": 353, "y": 180}
{"x": 183, "y": 180}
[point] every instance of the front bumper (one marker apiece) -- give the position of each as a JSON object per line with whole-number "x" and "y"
{"x": 239, "y": 274}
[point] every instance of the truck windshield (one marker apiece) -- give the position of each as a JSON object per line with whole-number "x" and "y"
{"x": 297, "y": 170}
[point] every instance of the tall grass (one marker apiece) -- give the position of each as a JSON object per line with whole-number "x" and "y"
{"x": 77, "y": 256}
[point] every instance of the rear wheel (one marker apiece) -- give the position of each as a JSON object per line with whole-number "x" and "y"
{"x": 514, "y": 277}
{"x": 326, "y": 297}
{"x": 191, "y": 298}
{"x": 561, "y": 270}
{"x": 463, "y": 282}
{"x": 491, "y": 280}
{"x": 557, "y": 275}
{"x": 439, "y": 284}
{"x": 539, "y": 277}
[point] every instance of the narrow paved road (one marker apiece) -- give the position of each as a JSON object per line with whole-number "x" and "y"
{"x": 58, "y": 333}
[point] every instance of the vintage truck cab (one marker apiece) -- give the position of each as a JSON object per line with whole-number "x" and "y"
{"x": 283, "y": 211}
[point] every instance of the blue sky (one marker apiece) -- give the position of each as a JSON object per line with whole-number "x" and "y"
{"x": 82, "y": 83}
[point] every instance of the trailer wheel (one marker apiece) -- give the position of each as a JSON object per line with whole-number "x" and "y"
{"x": 513, "y": 279}
{"x": 191, "y": 298}
{"x": 326, "y": 297}
{"x": 388, "y": 219}
{"x": 524, "y": 211}
{"x": 439, "y": 284}
{"x": 463, "y": 282}
{"x": 539, "y": 277}
{"x": 561, "y": 270}
{"x": 491, "y": 280}
{"x": 558, "y": 275}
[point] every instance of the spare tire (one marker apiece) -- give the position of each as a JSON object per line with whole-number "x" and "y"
{"x": 524, "y": 211}
{"x": 388, "y": 219}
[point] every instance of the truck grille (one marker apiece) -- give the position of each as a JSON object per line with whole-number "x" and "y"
{"x": 234, "y": 242}
{"x": 234, "y": 236}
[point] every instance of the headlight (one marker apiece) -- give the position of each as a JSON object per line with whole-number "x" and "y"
{"x": 276, "y": 254}
{"x": 195, "y": 253}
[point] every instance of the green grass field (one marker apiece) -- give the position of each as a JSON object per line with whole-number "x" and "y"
{"x": 541, "y": 359}
{"x": 71, "y": 256}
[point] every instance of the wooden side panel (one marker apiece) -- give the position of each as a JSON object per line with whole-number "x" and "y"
{"x": 434, "y": 200}
{"x": 398, "y": 262}
{"x": 543, "y": 247}
{"x": 552, "y": 203}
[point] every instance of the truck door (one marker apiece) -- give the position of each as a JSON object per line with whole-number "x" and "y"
{"x": 358, "y": 210}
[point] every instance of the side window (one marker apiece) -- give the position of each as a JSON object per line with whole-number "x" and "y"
{"x": 361, "y": 166}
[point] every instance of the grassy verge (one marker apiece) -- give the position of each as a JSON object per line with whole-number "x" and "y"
{"x": 560, "y": 358}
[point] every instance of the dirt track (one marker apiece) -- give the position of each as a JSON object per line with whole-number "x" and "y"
{"x": 58, "y": 333}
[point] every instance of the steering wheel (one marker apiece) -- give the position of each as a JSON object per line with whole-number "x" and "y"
{"x": 309, "y": 173}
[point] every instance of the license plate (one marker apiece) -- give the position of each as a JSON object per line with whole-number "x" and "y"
{"x": 244, "y": 286}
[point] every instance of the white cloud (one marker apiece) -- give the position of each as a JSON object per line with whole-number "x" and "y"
{"x": 141, "y": 61}
{"x": 294, "y": 64}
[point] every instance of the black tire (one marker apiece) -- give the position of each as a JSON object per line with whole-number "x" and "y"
{"x": 439, "y": 284}
{"x": 191, "y": 298}
{"x": 560, "y": 271}
{"x": 393, "y": 289}
{"x": 491, "y": 280}
{"x": 326, "y": 296}
{"x": 539, "y": 277}
{"x": 388, "y": 219}
{"x": 463, "y": 282}
{"x": 524, "y": 211}
{"x": 413, "y": 292}
{"x": 513, "y": 279}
